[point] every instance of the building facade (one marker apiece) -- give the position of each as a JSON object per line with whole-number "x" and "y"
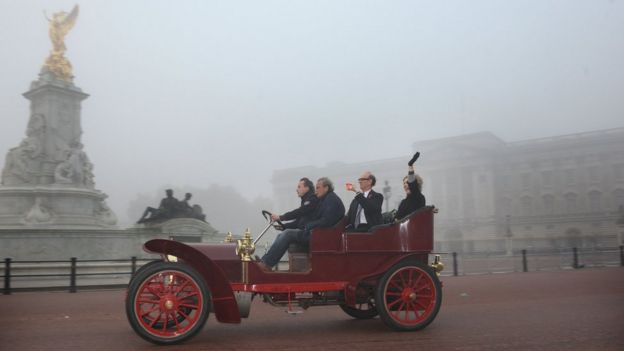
{"x": 556, "y": 192}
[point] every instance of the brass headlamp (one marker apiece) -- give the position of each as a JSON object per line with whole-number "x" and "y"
{"x": 437, "y": 264}
{"x": 245, "y": 247}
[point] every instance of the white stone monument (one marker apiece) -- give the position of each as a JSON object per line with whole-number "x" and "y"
{"x": 47, "y": 180}
{"x": 49, "y": 207}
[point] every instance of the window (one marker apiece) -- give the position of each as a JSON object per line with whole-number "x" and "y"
{"x": 506, "y": 204}
{"x": 547, "y": 178}
{"x": 594, "y": 175}
{"x": 618, "y": 199}
{"x": 618, "y": 171}
{"x": 526, "y": 180}
{"x": 549, "y": 204}
{"x": 527, "y": 208}
{"x": 569, "y": 176}
{"x": 570, "y": 200}
{"x": 595, "y": 199}
{"x": 505, "y": 182}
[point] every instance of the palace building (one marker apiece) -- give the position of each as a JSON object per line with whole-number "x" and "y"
{"x": 556, "y": 192}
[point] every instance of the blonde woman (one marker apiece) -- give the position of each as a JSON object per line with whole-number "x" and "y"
{"x": 412, "y": 184}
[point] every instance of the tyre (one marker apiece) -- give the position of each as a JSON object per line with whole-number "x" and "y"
{"x": 408, "y": 296}
{"x": 361, "y": 311}
{"x": 364, "y": 304}
{"x": 167, "y": 303}
{"x": 144, "y": 267}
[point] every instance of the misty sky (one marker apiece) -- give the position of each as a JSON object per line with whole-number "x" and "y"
{"x": 191, "y": 93}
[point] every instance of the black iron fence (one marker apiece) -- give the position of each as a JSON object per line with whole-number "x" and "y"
{"x": 531, "y": 260}
{"x": 33, "y": 275}
{"x": 64, "y": 274}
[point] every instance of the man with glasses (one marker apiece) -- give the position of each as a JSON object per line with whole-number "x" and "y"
{"x": 365, "y": 209}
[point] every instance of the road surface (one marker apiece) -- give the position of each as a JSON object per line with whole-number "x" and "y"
{"x": 563, "y": 310}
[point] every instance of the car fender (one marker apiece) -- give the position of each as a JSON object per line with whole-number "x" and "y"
{"x": 223, "y": 300}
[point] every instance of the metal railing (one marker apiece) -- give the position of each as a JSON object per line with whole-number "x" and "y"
{"x": 527, "y": 260}
{"x": 64, "y": 274}
{"x": 30, "y": 275}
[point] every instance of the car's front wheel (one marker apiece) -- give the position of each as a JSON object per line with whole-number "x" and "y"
{"x": 167, "y": 302}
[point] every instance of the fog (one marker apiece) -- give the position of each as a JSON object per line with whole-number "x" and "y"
{"x": 194, "y": 94}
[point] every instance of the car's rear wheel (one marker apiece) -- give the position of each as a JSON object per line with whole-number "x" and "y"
{"x": 408, "y": 296}
{"x": 361, "y": 310}
{"x": 364, "y": 303}
{"x": 167, "y": 303}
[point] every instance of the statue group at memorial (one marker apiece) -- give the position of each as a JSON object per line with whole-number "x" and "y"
{"x": 170, "y": 208}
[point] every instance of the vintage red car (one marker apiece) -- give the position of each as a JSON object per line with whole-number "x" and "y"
{"x": 382, "y": 272}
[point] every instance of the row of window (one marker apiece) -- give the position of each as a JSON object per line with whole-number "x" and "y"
{"x": 568, "y": 203}
{"x": 571, "y": 176}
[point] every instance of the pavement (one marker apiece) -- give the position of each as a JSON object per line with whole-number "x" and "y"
{"x": 560, "y": 310}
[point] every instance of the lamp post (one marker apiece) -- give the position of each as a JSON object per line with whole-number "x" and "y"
{"x": 620, "y": 225}
{"x": 387, "y": 192}
{"x": 508, "y": 236}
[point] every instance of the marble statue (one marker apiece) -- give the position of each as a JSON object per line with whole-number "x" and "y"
{"x": 38, "y": 213}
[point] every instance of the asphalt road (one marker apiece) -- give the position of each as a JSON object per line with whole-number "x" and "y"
{"x": 563, "y": 310}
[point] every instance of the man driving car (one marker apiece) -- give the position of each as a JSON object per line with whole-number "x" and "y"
{"x": 328, "y": 212}
{"x": 303, "y": 214}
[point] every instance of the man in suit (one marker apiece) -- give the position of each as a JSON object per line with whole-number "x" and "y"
{"x": 328, "y": 212}
{"x": 365, "y": 209}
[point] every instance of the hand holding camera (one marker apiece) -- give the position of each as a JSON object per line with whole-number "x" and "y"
{"x": 414, "y": 158}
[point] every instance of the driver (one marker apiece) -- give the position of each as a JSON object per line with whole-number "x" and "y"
{"x": 302, "y": 215}
{"x": 329, "y": 211}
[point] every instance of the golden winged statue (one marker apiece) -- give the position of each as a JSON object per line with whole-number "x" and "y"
{"x": 60, "y": 24}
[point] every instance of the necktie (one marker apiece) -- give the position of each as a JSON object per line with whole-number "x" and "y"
{"x": 357, "y": 216}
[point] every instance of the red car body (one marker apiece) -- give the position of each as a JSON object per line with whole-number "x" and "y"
{"x": 343, "y": 268}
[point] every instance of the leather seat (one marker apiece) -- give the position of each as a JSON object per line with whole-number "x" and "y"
{"x": 298, "y": 248}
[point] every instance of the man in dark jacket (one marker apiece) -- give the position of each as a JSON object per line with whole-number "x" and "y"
{"x": 329, "y": 211}
{"x": 365, "y": 209}
{"x": 305, "y": 212}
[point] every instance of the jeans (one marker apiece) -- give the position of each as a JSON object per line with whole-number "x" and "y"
{"x": 281, "y": 243}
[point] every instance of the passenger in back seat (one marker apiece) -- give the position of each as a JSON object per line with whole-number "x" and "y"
{"x": 365, "y": 209}
{"x": 412, "y": 184}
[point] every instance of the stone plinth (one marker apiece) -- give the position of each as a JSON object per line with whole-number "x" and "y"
{"x": 54, "y": 206}
{"x": 48, "y": 180}
{"x": 183, "y": 229}
{"x": 88, "y": 244}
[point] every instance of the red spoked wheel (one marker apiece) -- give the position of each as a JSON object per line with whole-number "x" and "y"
{"x": 167, "y": 303}
{"x": 408, "y": 296}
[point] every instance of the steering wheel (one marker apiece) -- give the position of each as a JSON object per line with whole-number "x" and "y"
{"x": 267, "y": 215}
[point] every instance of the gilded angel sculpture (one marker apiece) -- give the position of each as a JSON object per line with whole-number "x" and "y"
{"x": 60, "y": 24}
